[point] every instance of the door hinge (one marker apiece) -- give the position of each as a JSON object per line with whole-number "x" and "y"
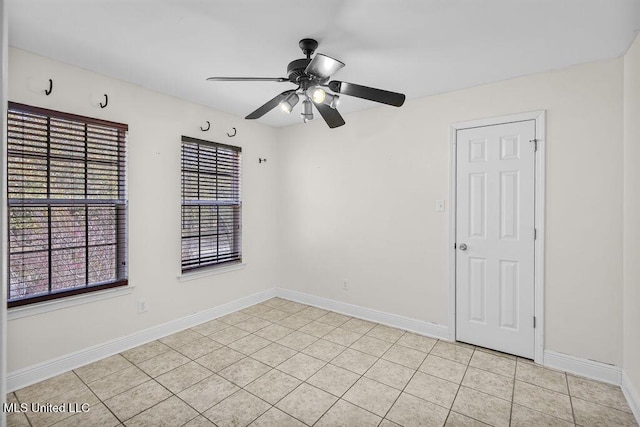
{"x": 535, "y": 233}
{"x": 534, "y": 322}
{"x": 454, "y": 246}
{"x": 535, "y": 144}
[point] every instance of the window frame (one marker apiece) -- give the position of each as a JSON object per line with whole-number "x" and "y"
{"x": 120, "y": 205}
{"x": 198, "y": 265}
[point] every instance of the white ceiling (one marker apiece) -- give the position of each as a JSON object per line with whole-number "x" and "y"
{"x": 417, "y": 47}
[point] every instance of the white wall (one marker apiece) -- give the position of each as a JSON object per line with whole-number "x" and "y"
{"x": 631, "y": 359}
{"x": 359, "y": 203}
{"x": 354, "y": 203}
{"x": 156, "y": 123}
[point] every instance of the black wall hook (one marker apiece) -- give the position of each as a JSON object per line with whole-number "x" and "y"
{"x": 234, "y": 133}
{"x": 106, "y": 101}
{"x": 208, "y": 127}
{"x": 261, "y": 160}
{"x": 48, "y": 92}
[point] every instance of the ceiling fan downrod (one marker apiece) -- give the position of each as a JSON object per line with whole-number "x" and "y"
{"x": 308, "y": 46}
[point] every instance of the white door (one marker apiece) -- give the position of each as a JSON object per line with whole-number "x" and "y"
{"x": 495, "y": 189}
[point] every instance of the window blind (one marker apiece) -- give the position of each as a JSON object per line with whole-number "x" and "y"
{"x": 67, "y": 204}
{"x": 211, "y": 205}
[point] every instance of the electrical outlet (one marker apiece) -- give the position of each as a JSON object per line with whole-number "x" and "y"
{"x": 345, "y": 285}
{"x": 142, "y": 306}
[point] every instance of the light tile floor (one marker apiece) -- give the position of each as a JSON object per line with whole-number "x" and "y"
{"x": 281, "y": 363}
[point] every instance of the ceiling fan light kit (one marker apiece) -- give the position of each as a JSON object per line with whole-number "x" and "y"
{"x": 317, "y": 94}
{"x": 289, "y": 102}
{"x": 331, "y": 100}
{"x": 312, "y": 78}
{"x": 307, "y": 111}
{"x": 323, "y": 66}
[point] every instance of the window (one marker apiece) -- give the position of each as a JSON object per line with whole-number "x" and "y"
{"x": 211, "y": 205}
{"x": 67, "y": 204}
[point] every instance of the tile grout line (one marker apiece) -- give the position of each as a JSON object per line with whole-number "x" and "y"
{"x": 226, "y": 379}
{"x": 176, "y": 394}
{"x": 360, "y": 375}
{"x": 573, "y": 412}
{"x": 25, "y": 415}
{"x": 459, "y": 387}
{"x": 479, "y": 391}
{"x": 513, "y": 393}
{"x": 271, "y": 368}
{"x": 351, "y": 386}
{"x": 412, "y": 376}
{"x": 600, "y": 403}
{"x": 96, "y": 395}
{"x": 325, "y": 364}
{"x": 172, "y": 394}
{"x": 154, "y": 405}
{"x": 301, "y": 381}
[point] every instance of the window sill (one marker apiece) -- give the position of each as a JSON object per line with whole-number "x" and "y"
{"x": 213, "y": 271}
{"x": 46, "y": 306}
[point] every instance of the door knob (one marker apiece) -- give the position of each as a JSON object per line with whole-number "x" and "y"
{"x": 463, "y": 247}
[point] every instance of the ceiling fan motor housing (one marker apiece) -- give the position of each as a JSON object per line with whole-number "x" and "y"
{"x": 296, "y": 68}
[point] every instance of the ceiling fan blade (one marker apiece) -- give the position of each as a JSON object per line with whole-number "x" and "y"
{"x": 323, "y": 66}
{"x": 330, "y": 115}
{"x": 365, "y": 92}
{"x": 269, "y": 105}
{"x": 248, "y": 79}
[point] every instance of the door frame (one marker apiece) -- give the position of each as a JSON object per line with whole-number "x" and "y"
{"x": 539, "y": 216}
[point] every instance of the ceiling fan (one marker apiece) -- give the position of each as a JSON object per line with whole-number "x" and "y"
{"x": 312, "y": 78}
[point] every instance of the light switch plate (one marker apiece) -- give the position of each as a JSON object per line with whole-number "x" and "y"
{"x": 439, "y": 205}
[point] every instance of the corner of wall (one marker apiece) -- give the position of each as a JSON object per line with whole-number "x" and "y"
{"x": 631, "y": 221}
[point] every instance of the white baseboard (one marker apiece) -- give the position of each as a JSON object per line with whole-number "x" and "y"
{"x": 41, "y": 371}
{"x": 584, "y": 367}
{"x": 418, "y": 326}
{"x": 632, "y": 395}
